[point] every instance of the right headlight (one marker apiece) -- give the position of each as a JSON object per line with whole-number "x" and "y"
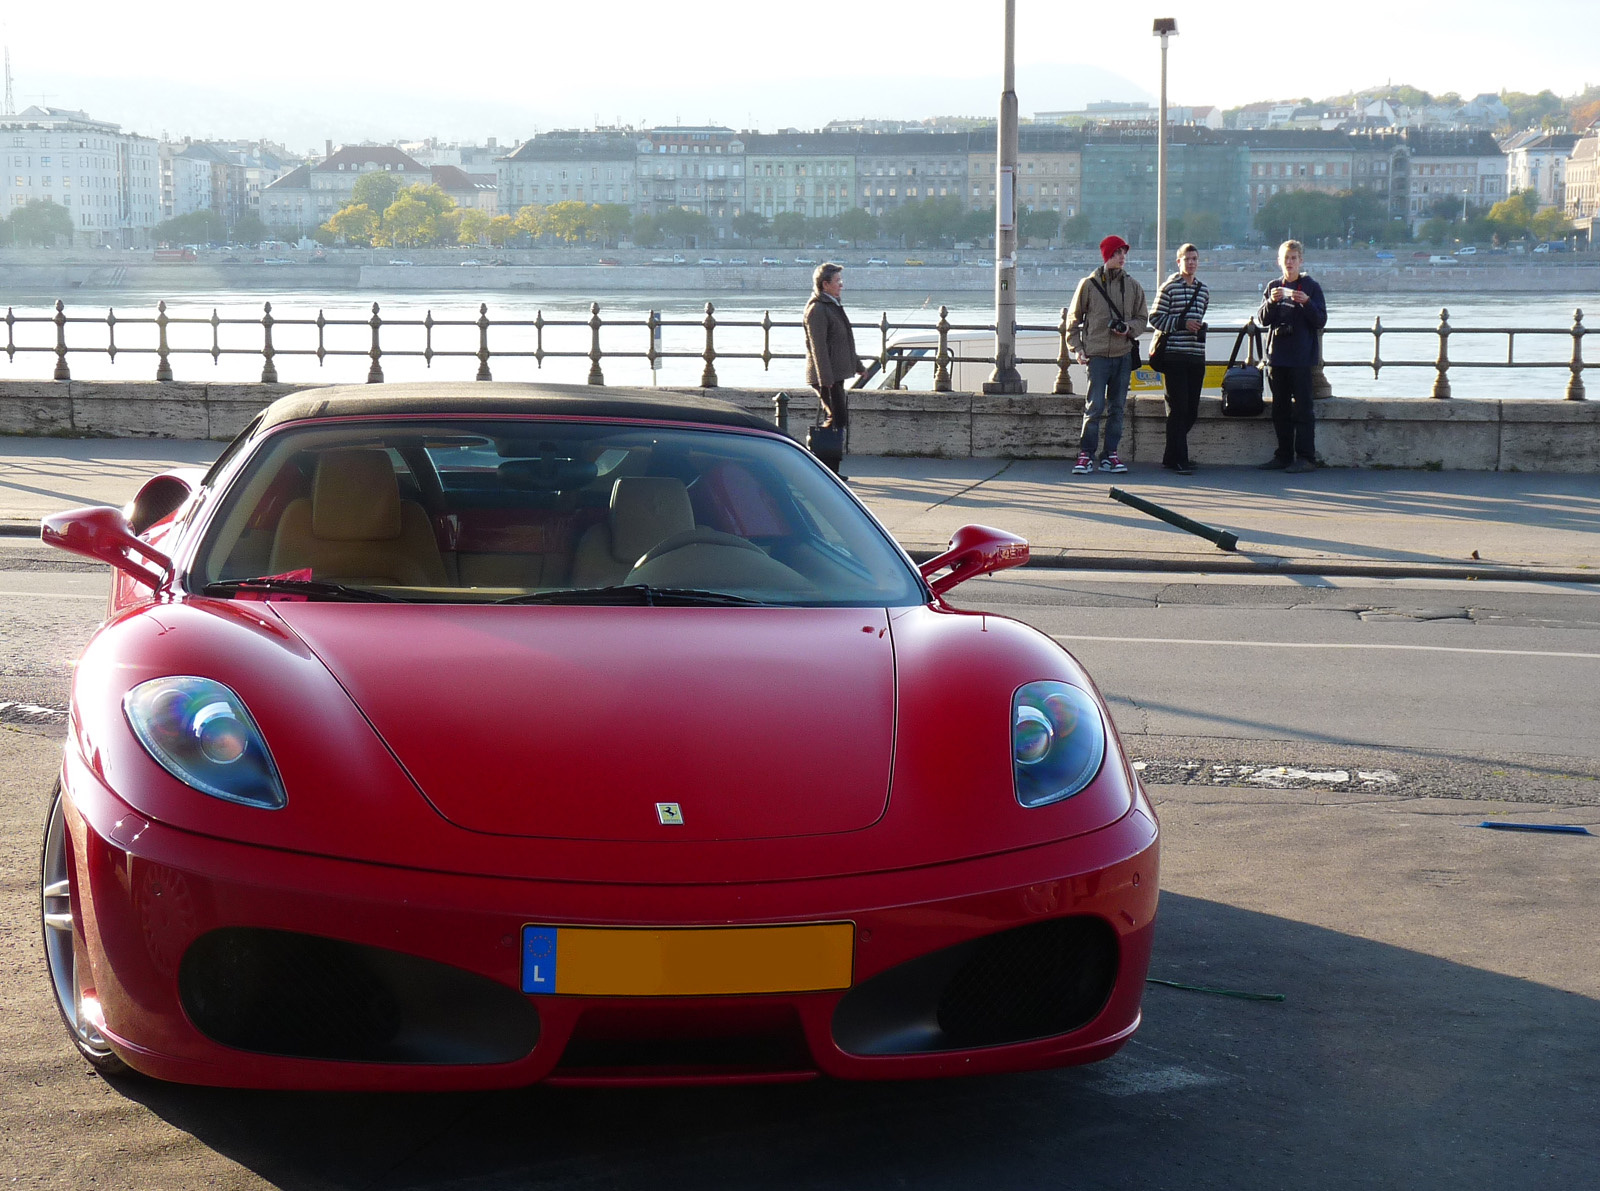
{"x": 200, "y": 732}
{"x": 1058, "y": 741}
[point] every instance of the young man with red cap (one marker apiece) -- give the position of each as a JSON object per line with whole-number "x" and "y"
{"x": 1107, "y": 317}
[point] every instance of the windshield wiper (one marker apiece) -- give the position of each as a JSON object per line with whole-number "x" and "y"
{"x": 311, "y": 588}
{"x": 632, "y": 594}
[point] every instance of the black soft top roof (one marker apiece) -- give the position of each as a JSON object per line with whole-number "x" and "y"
{"x": 493, "y": 399}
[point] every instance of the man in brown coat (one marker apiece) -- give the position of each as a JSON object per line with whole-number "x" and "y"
{"x": 830, "y": 345}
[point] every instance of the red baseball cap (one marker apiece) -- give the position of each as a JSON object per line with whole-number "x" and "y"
{"x": 1111, "y": 245}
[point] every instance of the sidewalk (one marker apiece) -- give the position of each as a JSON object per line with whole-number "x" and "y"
{"x": 1447, "y": 524}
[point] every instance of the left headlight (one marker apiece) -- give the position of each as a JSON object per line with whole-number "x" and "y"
{"x": 200, "y": 732}
{"x": 1058, "y": 740}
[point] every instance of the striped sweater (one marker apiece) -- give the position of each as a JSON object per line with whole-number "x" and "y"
{"x": 1169, "y": 314}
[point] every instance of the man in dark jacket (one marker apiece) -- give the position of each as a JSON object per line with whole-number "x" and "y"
{"x": 1294, "y": 313}
{"x": 830, "y": 345}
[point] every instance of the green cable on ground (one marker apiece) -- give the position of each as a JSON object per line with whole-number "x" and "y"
{"x": 1217, "y": 992}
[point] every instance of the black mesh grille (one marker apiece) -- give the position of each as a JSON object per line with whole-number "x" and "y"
{"x": 277, "y": 992}
{"x": 1031, "y": 982}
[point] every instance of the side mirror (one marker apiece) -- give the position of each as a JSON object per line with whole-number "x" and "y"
{"x": 974, "y": 550}
{"x": 103, "y": 534}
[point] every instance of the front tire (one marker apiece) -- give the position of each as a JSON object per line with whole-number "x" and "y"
{"x": 57, "y": 916}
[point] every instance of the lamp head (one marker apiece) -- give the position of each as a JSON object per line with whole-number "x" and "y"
{"x": 1164, "y": 26}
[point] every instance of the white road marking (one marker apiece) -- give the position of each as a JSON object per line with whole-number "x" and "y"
{"x": 14, "y": 712}
{"x": 1131, "y": 1077}
{"x": 1370, "y": 645}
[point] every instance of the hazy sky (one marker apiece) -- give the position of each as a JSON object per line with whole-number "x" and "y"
{"x": 303, "y": 72}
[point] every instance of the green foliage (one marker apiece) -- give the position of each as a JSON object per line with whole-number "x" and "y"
{"x": 323, "y": 236}
{"x": 790, "y": 228}
{"x": 930, "y": 222}
{"x": 646, "y": 232}
{"x": 1435, "y": 231}
{"x": 682, "y": 224}
{"x": 530, "y": 221}
{"x": 473, "y": 226}
{"x": 1077, "y": 230}
{"x": 570, "y": 222}
{"x": 1203, "y": 227}
{"x": 750, "y": 226}
{"x": 1307, "y": 215}
{"x": 357, "y": 225}
{"x": 377, "y": 190}
{"x": 1551, "y": 224}
{"x": 501, "y": 229}
{"x": 408, "y": 222}
{"x": 197, "y": 227}
{"x": 611, "y": 222}
{"x": 1038, "y": 225}
{"x": 856, "y": 224}
{"x": 250, "y": 230}
{"x": 1544, "y": 110}
{"x": 39, "y": 221}
{"x": 430, "y": 195}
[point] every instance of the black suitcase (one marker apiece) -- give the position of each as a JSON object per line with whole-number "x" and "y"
{"x": 1243, "y": 385}
{"x": 827, "y": 444}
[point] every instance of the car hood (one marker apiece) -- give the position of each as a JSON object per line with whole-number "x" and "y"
{"x": 579, "y": 722}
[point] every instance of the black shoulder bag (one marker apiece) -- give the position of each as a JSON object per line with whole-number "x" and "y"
{"x": 1116, "y": 310}
{"x": 1243, "y": 385}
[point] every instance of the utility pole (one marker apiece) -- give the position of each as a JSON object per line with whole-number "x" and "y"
{"x": 1164, "y": 27}
{"x": 1006, "y": 378}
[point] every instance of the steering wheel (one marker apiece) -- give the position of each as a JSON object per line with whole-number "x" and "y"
{"x": 700, "y": 535}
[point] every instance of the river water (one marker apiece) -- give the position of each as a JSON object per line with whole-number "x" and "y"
{"x": 1409, "y": 322}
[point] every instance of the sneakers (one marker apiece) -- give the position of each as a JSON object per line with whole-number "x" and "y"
{"x": 1273, "y": 464}
{"x": 1183, "y": 469}
{"x": 1083, "y": 466}
{"x": 1113, "y": 464}
{"x": 1299, "y": 467}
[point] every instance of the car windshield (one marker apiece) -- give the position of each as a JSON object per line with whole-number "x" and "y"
{"x": 543, "y": 512}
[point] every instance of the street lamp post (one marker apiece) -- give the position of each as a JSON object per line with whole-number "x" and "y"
{"x": 1164, "y": 28}
{"x": 1006, "y": 378}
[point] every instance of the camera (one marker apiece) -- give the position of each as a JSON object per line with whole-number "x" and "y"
{"x": 1200, "y": 335}
{"x": 1119, "y": 326}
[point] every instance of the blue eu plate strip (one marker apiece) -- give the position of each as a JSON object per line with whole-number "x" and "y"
{"x": 1562, "y": 828}
{"x": 538, "y": 959}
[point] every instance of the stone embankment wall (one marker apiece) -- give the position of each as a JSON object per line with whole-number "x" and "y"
{"x": 1476, "y": 435}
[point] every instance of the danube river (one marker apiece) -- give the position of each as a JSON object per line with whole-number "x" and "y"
{"x": 1479, "y": 323}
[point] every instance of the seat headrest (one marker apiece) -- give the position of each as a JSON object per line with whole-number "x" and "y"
{"x": 646, "y": 510}
{"x": 355, "y": 497}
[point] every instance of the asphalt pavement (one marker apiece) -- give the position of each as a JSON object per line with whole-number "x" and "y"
{"x": 1336, "y": 521}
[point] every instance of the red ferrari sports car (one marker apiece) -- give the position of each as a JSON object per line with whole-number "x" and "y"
{"x": 463, "y": 736}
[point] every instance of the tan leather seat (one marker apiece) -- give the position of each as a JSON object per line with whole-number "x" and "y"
{"x": 645, "y": 511}
{"x": 355, "y": 528}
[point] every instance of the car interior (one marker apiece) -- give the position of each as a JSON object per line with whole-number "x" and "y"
{"x": 469, "y": 512}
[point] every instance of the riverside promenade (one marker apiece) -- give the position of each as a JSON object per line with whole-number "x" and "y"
{"x": 1335, "y": 521}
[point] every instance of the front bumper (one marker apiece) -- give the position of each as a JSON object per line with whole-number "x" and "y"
{"x": 222, "y": 963}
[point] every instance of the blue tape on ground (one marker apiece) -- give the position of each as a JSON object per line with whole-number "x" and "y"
{"x": 1562, "y": 828}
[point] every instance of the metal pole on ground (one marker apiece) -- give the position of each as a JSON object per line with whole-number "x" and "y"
{"x": 1220, "y": 537}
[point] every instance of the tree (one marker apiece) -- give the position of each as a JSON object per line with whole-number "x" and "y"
{"x": 856, "y": 224}
{"x": 789, "y": 228}
{"x": 1203, "y": 227}
{"x": 40, "y": 221}
{"x": 408, "y": 222}
{"x": 1551, "y": 224}
{"x": 1435, "y": 231}
{"x": 530, "y": 221}
{"x": 196, "y": 227}
{"x": 750, "y": 226}
{"x": 1075, "y": 229}
{"x": 473, "y": 226}
{"x": 684, "y": 224}
{"x": 356, "y": 225}
{"x": 1300, "y": 215}
{"x": 1513, "y": 215}
{"x": 611, "y": 222}
{"x": 646, "y": 232}
{"x": 377, "y": 190}
{"x": 250, "y": 230}
{"x": 501, "y": 229}
{"x": 1365, "y": 216}
{"x": 1041, "y": 225}
{"x": 431, "y": 196}
{"x": 569, "y": 221}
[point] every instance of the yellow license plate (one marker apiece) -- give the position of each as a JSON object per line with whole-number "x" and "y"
{"x": 686, "y": 961}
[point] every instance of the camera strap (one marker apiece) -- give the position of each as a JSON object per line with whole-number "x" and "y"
{"x": 1115, "y": 309}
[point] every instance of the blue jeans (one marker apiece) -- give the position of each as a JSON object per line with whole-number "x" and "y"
{"x": 1108, "y": 395}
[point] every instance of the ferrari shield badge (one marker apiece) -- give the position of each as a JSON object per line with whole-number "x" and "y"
{"x": 669, "y": 814}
